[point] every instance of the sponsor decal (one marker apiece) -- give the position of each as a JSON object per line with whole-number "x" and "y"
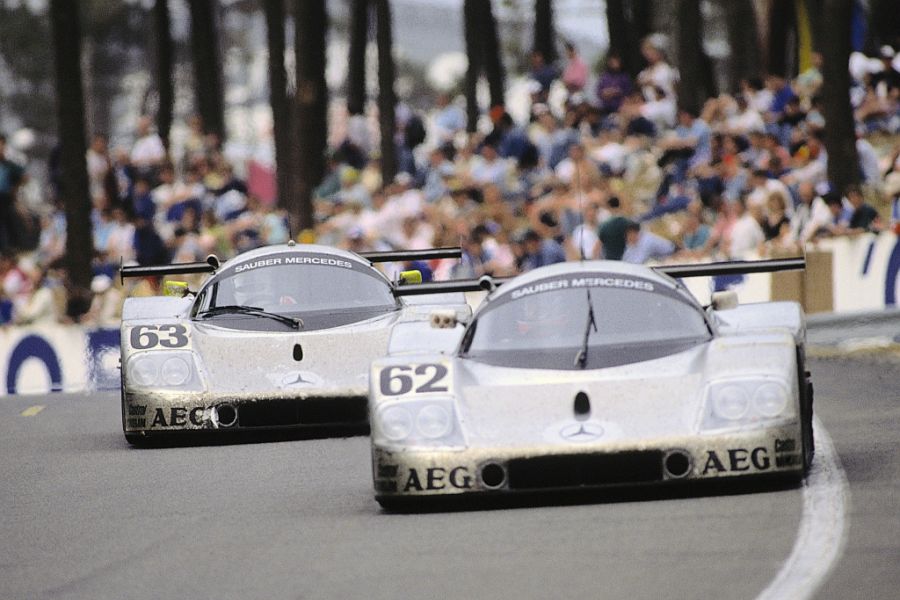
{"x": 387, "y": 470}
{"x": 136, "y": 422}
{"x": 582, "y": 282}
{"x": 438, "y": 478}
{"x": 397, "y": 380}
{"x": 136, "y": 410}
{"x": 737, "y": 460}
{"x": 787, "y": 453}
{"x": 178, "y": 416}
{"x": 292, "y": 260}
{"x": 385, "y": 485}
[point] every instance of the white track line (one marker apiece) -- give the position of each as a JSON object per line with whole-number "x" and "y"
{"x": 823, "y": 526}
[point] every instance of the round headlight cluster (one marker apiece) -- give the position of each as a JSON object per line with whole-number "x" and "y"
{"x": 396, "y": 423}
{"x": 770, "y": 399}
{"x": 144, "y": 371}
{"x": 175, "y": 371}
{"x": 731, "y": 402}
{"x": 433, "y": 421}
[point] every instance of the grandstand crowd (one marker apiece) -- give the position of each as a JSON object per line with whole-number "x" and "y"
{"x": 605, "y": 166}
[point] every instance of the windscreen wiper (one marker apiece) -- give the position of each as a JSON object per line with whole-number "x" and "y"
{"x": 234, "y": 309}
{"x": 581, "y": 357}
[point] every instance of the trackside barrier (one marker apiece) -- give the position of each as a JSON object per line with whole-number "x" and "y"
{"x": 843, "y": 275}
{"x": 69, "y": 358}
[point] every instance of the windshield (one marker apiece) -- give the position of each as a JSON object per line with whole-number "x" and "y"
{"x": 548, "y": 324}
{"x": 332, "y": 290}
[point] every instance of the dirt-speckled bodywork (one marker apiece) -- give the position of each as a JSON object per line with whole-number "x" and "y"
{"x": 731, "y": 402}
{"x": 246, "y": 372}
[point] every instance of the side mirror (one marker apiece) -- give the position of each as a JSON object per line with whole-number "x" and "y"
{"x": 412, "y": 276}
{"x": 724, "y": 300}
{"x": 175, "y": 289}
{"x": 443, "y": 319}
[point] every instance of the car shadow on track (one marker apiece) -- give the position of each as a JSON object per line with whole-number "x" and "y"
{"x": 506, "y": 501}
{"x": 229, "y": 438}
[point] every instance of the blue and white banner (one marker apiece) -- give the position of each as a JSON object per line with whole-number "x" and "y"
{"x": 40, "y": 359}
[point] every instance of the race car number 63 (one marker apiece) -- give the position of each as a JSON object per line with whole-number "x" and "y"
{"x": 150, "y": 336}
{"x": 397, "y": 380}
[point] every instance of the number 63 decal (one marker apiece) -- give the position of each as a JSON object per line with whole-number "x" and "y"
{"x": 150, "y": 336}
{"x": 398, "y": 380}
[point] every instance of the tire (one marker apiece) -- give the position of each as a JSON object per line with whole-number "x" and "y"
{"x": 806, "y": 411}
{"x": 137, "y": 440}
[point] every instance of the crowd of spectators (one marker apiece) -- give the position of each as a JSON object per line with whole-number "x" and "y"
{"x": 605, "y": 166}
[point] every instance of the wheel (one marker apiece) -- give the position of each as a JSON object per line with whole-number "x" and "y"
{"x": 806, "y": 411}
{"x": 137, "y": 440}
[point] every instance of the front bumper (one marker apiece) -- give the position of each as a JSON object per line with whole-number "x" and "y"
{"x": 150, "y": 414}
{"x": 405, "y": 473}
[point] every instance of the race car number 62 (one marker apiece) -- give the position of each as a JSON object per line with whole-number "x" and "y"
{"x": 396, "y": 380}
{"x": 167, "y": 336}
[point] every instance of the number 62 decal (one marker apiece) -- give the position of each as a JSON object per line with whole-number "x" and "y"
{"x": 398, "y": 380}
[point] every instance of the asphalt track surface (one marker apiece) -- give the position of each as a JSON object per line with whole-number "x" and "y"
{"x": 83, "y": 515}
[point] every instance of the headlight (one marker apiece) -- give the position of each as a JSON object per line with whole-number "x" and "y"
{"x": 175, "y": 371}
{"x": 434, "y": 421}
{"x": 396, "y": 423}
{"x": 163, "y": 369}
{"x": 742, "y": 402}
{"x": 770, "y": 399}
{"x": 731, "y": 402}
{"x": 429, "y": 423}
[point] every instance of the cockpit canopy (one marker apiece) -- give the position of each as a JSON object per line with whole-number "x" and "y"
{"x": 323, "y": 290}
{"x": 547, "y": 323}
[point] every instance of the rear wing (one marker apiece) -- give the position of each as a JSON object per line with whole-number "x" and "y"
{"x": 734, "y": 267}
{"x": 402, "y": 255}
{"x": 210, "y": 265}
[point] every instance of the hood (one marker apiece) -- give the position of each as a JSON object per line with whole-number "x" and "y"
{"x": 644, "y": 400}
{"x": 293, "y": 363}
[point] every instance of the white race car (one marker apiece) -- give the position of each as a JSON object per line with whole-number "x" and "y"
{"x": 592, "y": 374}
{"x": 278, "y": 337}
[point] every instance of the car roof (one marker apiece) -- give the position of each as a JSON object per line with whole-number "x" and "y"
{"x": 298, "y": 248}
{"x": 585, "y": 266}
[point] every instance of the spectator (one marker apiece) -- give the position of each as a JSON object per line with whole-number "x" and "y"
{"x": 12, "y": 176}
{"x": 642, "y": 246}
{"x": 658, "y": 73}
{"x": 612, "y": 231}
{"x": 864, "y": 217}
{"x": 575, "y": 73}
{"x": 539, "y": 251}
{"x": 544, "y": 74}
{"x": 148, "y": 152}
{"x": 613, "y": 85}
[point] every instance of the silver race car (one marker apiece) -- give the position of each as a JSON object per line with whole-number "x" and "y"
{"x": 278, "y": 337}
{"x": 593, "y": 374}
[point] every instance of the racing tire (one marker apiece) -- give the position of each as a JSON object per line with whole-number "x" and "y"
{"x": 806, "y": 412}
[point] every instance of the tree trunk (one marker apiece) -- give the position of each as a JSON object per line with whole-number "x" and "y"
{"x": 472, "y": 26}
{"x": 743, "y": 39}
{"x": 207, "y": 68}
{"x": 617, "y": 25}
{"x": 493, "y": 59}
{"x": 278, "y": 99}
{"x": 691, "y": 59}
{"x": 164, "y": 83}
{"x": 387, "y": 99}
{"x": 311, "y": 106}
{"x": 840, "y": 136}
{"x": 782, "y": 37}
{"x": 74, "y": 189}
{"x": 884, "y": 24}
{"x": 359, "y": 39}
{"x": 544, "y": 35}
